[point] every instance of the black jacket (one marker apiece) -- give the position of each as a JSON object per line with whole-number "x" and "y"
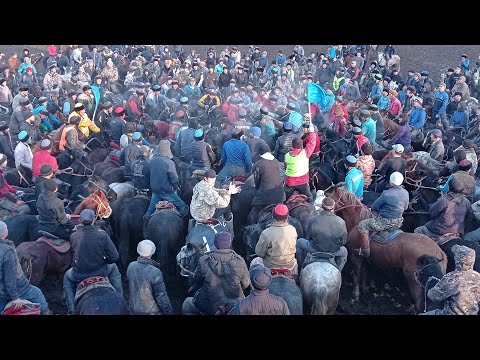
{"x": 50, "y": 209}
{"x": 327, "y": 232}
{"x": 268, "y": 183}
{"x": 92, "y": 250}
{"x": 141, "y": 173}
{"x": 283, "y": 146}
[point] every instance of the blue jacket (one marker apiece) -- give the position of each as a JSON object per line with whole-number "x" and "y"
{"x": 219, "y": 68}
{"x": 440, "y": 102}
{"x": 464, "y": 64}
{"x": 236, "y": 153}
{"x": 23, "y": 68}
{"x": 417, "y": 118}
{"x": 384, "y": 103}
{"x": 401, "y": 96}
{"x": 148, "y": 294}
{"x": 459, "y": 119}
{"x": 50, "y": 117}
{"x": 295, "y": 119}
{"x": 376, "y": 92}
{"x": 280, "y": 59}
{"x": 195, "y": 92}
{"x": 369, "y": 129}
{"x": 392, "y": 203}
{"x": 354, "y": 181}
{"x": 163, "y": 175}
{"x": 185, "y": 139}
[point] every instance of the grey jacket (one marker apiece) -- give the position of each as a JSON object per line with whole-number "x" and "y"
{"x": 448, "y": 214}
{"x": 13, "y": 282}
{"x": 148, "y": 294}
{"x": 437, "y": 150}
{"x": 327, "y": 232}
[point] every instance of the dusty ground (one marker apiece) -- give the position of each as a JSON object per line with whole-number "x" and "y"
{"x": 391, "y": 295}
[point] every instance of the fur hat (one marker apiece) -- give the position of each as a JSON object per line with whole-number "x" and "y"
{"x": 260, "y": 277}
{"x": 223, "y": 240}
{"x": 328, "y": 203}
{"x": 46, "y": 170}
{"x": 163, "y": 149}
{"x": 50, "y": 184}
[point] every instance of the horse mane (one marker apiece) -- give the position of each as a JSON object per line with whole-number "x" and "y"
{"x": 350, "y": 199}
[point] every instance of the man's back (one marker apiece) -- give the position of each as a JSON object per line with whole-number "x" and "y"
{"x": 92, "y": 250}
{"x": 277, "y": 245}
{"x": 327, "y": 232}
{"x": 261, "y": 302}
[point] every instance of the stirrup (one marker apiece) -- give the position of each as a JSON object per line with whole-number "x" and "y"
{"x": 47, "y": 234}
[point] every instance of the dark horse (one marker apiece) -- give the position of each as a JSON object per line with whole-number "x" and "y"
{"x": 428, "y": 275}
{"x": 128, "y": 220}
{"x": 22, "y": 228}
{"x": 401, "y": 253}
{"x": 99, "y": 298}
{"x": 286, "y": 288}
{"x": 447, "y": 247}
{"x": 43, "y": 257}
{"x": 166, "y": 230}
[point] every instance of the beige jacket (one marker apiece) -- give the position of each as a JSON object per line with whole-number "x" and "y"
{"x": 277, "y": 245}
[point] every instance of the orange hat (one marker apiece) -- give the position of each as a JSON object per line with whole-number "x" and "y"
{"x": 393, "y": 92}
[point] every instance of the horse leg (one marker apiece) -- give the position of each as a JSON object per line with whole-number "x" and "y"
{"x": 363, "y": 279}
{"x": 415, "y": 290}
{"x": 357, "y": 262}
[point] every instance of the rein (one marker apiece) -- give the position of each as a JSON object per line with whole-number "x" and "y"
{"x": 23, "y": 178}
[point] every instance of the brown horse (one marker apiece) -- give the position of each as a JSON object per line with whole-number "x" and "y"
{"x": 98, "y": 202}
{"x": 390, "y": 126}
{"x": 401, "y": 253}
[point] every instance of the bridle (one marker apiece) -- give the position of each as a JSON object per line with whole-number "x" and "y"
{"x": 426, "y": 284}
{"x": 344, "y": 206}
{"x": 69, "y": 170}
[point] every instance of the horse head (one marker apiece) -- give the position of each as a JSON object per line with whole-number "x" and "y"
{"x": 428, "y": 274}
{"x": 25, "y": 259}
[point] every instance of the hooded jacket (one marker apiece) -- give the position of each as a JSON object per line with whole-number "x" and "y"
{"x": 220, "y": 277}
{"x": 448, "y": 214}
{"x": 459, "y": 289}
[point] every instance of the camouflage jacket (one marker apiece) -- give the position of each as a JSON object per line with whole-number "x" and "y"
{"x": 460, "y": 289}
{"x": 205, "y": 200}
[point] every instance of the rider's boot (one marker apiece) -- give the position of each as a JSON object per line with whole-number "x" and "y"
{"x": 69, "y": 288}
{"x": 365, "y": 247}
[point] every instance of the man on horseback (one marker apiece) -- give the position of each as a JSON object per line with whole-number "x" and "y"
{"x": 23, "y": 153}
{"x": 276, "y": 246}
{"x": 463, "y": 175}
{"x": 43, "y": 157}
{"x": 6, "y": 143}
{"x": 354, "y": 177}
{"x": 260, "y": 301}
{"x": 220, "y": 278}
{"x": 85, "y": 124}
{"x": 458, "y": 290}
{"x": 327, "y": 233}
{"x": 93, "y": 254}
{"x": 448, "y": 213}
{"x": 145, "y": 273}
{"x": 297, "y": 168}
{"x": 437, "y": 149}
{"x": 390, "y": 207}
{"x": 14, "y": 286}
{"x": 140, "y": 169}
{"x": 209, "y": 202}
{"x": 69, "y": 138}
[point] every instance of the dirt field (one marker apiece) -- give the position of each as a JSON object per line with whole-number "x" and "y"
{"x": 391, "y": 295}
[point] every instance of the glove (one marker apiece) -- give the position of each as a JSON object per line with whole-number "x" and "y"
{"x": 437, "y": 116}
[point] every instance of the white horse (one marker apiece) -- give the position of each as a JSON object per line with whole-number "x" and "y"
{"x": 320, "y": 284}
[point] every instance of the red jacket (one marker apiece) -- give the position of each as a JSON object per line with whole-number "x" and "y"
{"x": 362, "y": 139}
{"x": 6, "y": 186}
{"x": 345, "y": 111}
{"x": 307, "y": 138}
{"x": 43, "y": 157}
{"x": 395, "y": 106}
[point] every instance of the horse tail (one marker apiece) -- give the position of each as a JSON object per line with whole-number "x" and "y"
{"x": 319, "y": 304}
{"x": 124, "y": 240}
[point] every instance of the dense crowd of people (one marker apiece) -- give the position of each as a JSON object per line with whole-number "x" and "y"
{"x": 244, "y": 114}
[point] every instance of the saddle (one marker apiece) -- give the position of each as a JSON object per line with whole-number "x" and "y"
{"x": 210, "y": 222}
{"x": 276, "y": 272}
{"x": 266, "y": 213}
{"x": 443, "y": 239}
{"x": 90, "y": 284}
{"x": 386, "y": 236}
{"x": 59, "y": 245}
{"x": 165, "y": 205}
{"x": 28, "y": 308}
{"x": 319, "y": 256}
{"x": 295, "y": 201}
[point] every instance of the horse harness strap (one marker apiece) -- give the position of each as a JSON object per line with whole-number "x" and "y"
{"x": 90, "y": 284}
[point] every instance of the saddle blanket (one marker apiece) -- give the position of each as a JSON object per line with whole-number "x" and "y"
{"x": 384, "y": 237}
